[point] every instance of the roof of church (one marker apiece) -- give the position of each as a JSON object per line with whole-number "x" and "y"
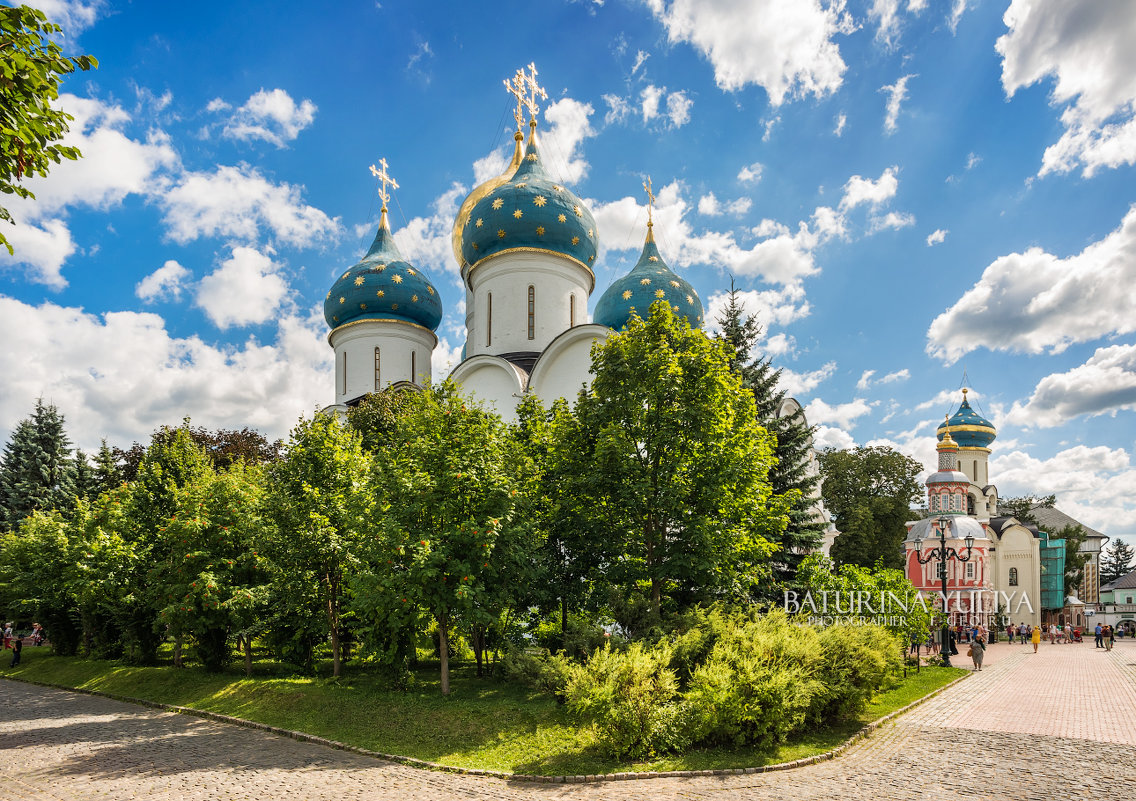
{"x": 650, "y": 280}
{"x": 960, "y": 527}
{"x": 383, "y": 286}
{"x": 1053, "y": 520}
{"x": 530, "y": 212}
{"x": 1125, "y": 582}
{"x": 968, "y": 427}
{"x": 1003, "y": 522}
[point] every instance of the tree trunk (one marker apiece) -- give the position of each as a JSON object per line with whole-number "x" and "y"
{"x": 478, "y": 642}
{"x": 333, "y": 624}
{"x": 444, "y": 653}
{"x": 247, "y": 638}
{"x": 177, "y": 650}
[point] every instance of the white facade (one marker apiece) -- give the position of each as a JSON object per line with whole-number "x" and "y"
{"x": 373, "y": 354}
{"x": 519, "y": 302}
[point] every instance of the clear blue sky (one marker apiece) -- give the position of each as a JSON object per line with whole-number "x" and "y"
{"x": 903, "y": 189}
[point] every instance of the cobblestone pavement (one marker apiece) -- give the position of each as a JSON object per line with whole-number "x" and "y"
{"x": 1028, "y": 727}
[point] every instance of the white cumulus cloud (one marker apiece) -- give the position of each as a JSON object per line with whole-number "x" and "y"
{"x": 784, "y": 46}
{"x": 569, "y": 126}
{"x": 1035, "y": 301}
{"x": 1086, "y": 48}
{"x": 271, "y": 116}
{"x": 751, "y": 173}
{"x": 1104, "y": 384}
{"x": 937, "y": 237}
{"x": 246, "y": 289}
{"x": 896, "y": 94}
{"x": 859, "y": 190}
{"x": 165, "y": 283}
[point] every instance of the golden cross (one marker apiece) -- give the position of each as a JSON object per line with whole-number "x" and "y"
{"x": 384, "y": 176}
{"x": 516, "y": 88}
{"x": 650, "y": 201}
{"x": 534, "y": 90}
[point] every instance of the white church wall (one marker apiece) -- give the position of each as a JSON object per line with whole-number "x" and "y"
{"x": 566, "y": 364}
{"x": 404, "y": 355}
{"x": 1018, "y": 549}
{"x": 560, "y": 293}
{"x": 493, "y": 382}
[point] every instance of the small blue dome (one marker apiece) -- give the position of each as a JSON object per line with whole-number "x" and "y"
{"x": 968, "y": 428}
{"x": 649, "y": 281}
{"x": 529, "y": 212}
{"x": 383, "y": 287}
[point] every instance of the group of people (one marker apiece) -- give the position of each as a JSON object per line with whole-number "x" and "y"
{"x": 1105, "y": 636}
{"x": 16, "y": 643}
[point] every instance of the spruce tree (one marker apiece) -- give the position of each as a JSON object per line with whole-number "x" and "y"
{"x": 794, "y": 469}
{"x": 108, "y": 473}
{"x": 38, "y": 473}
{"x": 86, "y": 486}
{"x": 1116, "y": 561}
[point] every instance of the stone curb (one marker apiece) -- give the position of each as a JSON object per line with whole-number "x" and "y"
{"x": 498, "y": 774}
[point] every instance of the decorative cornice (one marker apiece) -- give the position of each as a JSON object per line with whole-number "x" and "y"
{"x": 337, "y": 329}
{"x": 546, "y": 251}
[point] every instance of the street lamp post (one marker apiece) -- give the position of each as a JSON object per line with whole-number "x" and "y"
{"x": 943, "y": 554}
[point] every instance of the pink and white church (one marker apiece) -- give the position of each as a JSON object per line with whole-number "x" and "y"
{"x": 1003, "y": 572}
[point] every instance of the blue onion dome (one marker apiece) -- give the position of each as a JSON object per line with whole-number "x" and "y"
{"x": 383, "y": 286}
{"x": 970, "y": 429}
{"x": 650, "y": 280}
{"x": 480, "y": 191}
{"x": 529, "y": 212}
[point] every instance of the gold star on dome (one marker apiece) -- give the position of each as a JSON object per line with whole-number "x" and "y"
{"x": 627, "y": 294}
{"x": 675, "y": 308}
{"x": 575, "y": 240}
{"x": 329, "y": 296}
{"x": 430, "y": 289}
{"x": 645, "y": 281}
{"x": 660, "y": 293}
{"x": 345, "y": 275}
{"x": 561, "y": 218}
{"x": 675, "y": 284}
{"x": 394, "y": 307}
{"x": 652, "y": 258}
{"x": 474, "y": 246}
{"x": 334, "y": 319}
{"x": 380, "y": 267}
{"x": 518, "y": 214}
{"x": 479, "y": 222}
{"x": 409, "y": 271}
{"x": 577, "y": 210}
{"x": 498, "y": 203}
{"x": 359, "y": 281}
{"x": 397, "y": 279}
{"x": 530, "y": 157}
{"x": 362, "y": 307}
{"x": 413, "y": 298}
{"x": 500, "y": 233}
{"x": 343, "y": 300}
{"x": 589, "y": 232}
{"x": 592, "y": 257}
{"x": 539, "y": 200}
{"x": 690, "y": 300}
{"x": 540, "y": 230}
{"x": 521, "y": 186}
{"x": 556, "y": 188}
{"x": 380, "y": 294}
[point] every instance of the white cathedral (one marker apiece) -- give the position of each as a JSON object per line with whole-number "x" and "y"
{"x": 526, "y": 247}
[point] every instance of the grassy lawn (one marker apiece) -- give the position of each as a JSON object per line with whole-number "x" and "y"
{"x": 484, "y": 724}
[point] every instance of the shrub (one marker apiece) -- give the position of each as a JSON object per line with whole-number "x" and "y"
{"x": 857, "y": 661}
{"x": 548, "y": 673}
{"x": 631, "y": 697}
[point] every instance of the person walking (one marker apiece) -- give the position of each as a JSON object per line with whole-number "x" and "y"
{"x": 1035, "y": 638}
{"x": 977, "y": 651}
{"x": 1109, "y": 638}
{"x": 7, "y": 635}
{"x": 1097, "y": 635}
{"x": 17, "y": 647}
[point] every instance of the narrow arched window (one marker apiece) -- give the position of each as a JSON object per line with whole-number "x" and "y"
{"x": 571, "y": 311}
{"x": 344, "y": 372}
{"x": 970, "y": 504}
{"x": 378, "y": 378}
{"x": 1013, "y": 577}
{"x": 489, "y": 319}
{"x": 532, "y": 312}
{"x": 414, "y": 367}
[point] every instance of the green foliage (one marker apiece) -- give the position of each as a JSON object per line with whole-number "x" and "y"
{"x": 666, "y": 455}
{"x": 376, "y": 418}
{"x": 1116, "y": 561}
{"x": 869, "y": 491}
{"x": 792, "y": 474}
{"x": 30, "y": 126}
{"x": 631, "y": 697}
{"x": 38, "y": 473}
{"x": 320, "y": 503}
{"x": 543, "y": 671}
{"x": 1023, "y": 506}
{"x": 449, "y": 542}
{"x": 38, "y": 577}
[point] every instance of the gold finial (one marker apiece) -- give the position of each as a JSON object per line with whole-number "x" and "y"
{"x": 964, "y": 391}
{"x": 650, "y": 209}
{"x": 535, "y": 92}
{"x": 384, "y": 176}
{"x": 516, "y": 88}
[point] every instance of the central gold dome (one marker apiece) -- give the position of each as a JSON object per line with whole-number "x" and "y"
{"x": 477, "y": 194}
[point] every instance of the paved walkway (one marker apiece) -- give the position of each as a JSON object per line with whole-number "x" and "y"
{"x": 1028, "y": 727}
